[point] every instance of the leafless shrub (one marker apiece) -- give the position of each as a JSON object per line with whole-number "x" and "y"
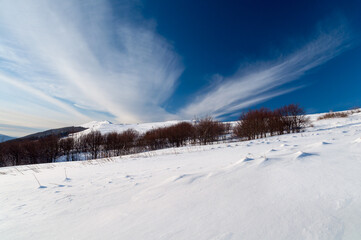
{"x": 253, "y": 124}
{"x": 173, "y": 136}
{"x": 127, "y": 140}
{"x": 355, "y": 110}
{"x": 179, "y": 134}
{"x": 208, "y": 130}
{"x": 262, "y": 122}
{"x": 15, "y": 153}
{"x": 334, "y": 115}
{"x": 3, "y": 154}
{"x": 92, "y": 143}
{"x": 32, "y": 152}
{"x": 67, "y": 146}
{"x": 50, "y": 147}
{"x": 293, "y": 117}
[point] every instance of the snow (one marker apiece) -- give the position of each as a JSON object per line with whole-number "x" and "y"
{"x": 107, "y": 127}
{"x": 297, "y": 186}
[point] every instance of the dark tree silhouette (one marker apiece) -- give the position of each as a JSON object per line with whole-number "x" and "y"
{"x": 67, "y": 145}
{"x": 208, "y": 130}
{"x": 262, "y": 122}
{"x": 93, "y": 142}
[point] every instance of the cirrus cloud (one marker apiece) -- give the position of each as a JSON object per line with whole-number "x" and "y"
{"x": 65, "y": 53}
{"x": 69, "y": 62}
{"x": 243, "y": 90}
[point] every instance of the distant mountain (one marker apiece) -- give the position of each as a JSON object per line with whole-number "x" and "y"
{"x": 102, "y": 126}
{"x": 59, "y": 132}
{"x": 4, "y": 138}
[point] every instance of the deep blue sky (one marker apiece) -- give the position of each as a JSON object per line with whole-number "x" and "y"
{"x": 220, "y": 36}
{"x": 69, "y": 62}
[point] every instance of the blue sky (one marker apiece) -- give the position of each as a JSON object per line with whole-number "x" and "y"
{"x": 69, "y": 62}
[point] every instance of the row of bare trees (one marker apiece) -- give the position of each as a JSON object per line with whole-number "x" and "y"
{"x": 264, "y": 122}
{"x": 204, "y": 131}
{"x": 253, "y": 124}
{"x": 29, "y": 151}
{"x": 95, "y": 145}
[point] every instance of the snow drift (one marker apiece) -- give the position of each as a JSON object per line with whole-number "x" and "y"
{"x": 297, "y": 186}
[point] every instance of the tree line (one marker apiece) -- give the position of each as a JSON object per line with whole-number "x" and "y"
{"x": 264, "y": 122}
{"x": 252, "y": 124}
{"x": 96, "y": 145}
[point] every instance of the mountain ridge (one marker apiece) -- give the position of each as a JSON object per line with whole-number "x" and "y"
{"x": 4, "y": 138}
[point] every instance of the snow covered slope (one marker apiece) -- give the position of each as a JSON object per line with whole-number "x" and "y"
{"x": 107, "y": 127}
{"x": 297, "y": 186}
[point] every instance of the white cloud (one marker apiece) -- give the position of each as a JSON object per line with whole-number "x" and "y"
{"x": 244, "y": 90}
{"x": 67, "y": 62}
{"x": 76, "y": 51}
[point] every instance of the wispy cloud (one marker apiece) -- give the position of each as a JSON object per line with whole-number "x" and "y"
{"x": 262, "y": 83}
{"x": 75, "y": 55}
{"x": 68, "y": 62}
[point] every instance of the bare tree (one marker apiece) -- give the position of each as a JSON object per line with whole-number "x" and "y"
{"x": 93, "y": 142}
{"x": 32, "y": 151}
{"x": 3, "y": 154}
{"x": 260, "y": 122}
{"x": 67, "y": 146}
{"x": 50, "y": 145}
{"x": 208, "y": 130}
{"x": 15, "y": 153}
{"x": 293, "y": 117}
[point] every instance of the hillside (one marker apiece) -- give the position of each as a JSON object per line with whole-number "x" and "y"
{"x": 4, "y": 138}
{"x": 295, "y": 186}
{"x": 107, "y": 127}
{"x": 59, "y": 132}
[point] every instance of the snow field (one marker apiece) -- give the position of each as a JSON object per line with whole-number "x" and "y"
{"x": 296, "y": 186}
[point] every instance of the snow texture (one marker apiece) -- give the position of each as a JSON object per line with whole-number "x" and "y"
{"x": 107, "y": 127}
{"x": 297, "y": 186}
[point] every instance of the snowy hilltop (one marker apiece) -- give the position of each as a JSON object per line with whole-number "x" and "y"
{"x": 108, "y": 127}
{"x": 295, "y": 186}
